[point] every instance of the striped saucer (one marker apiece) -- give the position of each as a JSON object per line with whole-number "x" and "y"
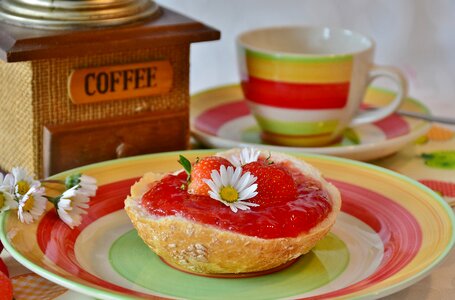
{"x": 220, "y": 118}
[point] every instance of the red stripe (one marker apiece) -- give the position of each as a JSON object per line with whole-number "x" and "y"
{"x": 393, "y": 126}
{"x": 399, "y": 231}
{"x": 212, "y": 119}
{"x": 57, "y": 240}
{"x": 296, "y": 95}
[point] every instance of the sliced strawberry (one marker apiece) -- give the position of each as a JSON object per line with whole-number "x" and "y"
{"x": 6, "y": 287}
{"x": 203, "y": 170}
{"x": 275, "y": 183}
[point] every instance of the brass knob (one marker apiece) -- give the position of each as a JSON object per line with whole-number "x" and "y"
{"x": 76, "y": 14}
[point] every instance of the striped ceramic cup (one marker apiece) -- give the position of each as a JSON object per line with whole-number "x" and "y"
{"x": 305, "y": 85}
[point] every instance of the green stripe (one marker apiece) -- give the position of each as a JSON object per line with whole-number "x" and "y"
{"x": 134, "y": 261}
{"x": 375, "y": 291}
{"x": 297, "y": 128}
{"x": 300, "y": 58}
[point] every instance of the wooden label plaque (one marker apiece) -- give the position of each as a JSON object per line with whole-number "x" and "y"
{"x": 120, "y": 82}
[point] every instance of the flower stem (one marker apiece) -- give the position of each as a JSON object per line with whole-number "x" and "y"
{"x": 54, "y": 200}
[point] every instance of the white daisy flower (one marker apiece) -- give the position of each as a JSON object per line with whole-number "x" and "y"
{"x": 7, "y": 183}
{"x": 71, "y": 205}
{"x": 86, "y": 183}
{"x": 6, "y": 200}
{"x": 32, "y": 205}
{"x": 7, "y": 193}
{"x": 245, "y": 156}
{"x": 231, "y": 188}
{"x": 22, "y": 182}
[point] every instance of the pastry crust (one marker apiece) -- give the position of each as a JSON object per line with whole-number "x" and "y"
{"x": 206, "y": 249}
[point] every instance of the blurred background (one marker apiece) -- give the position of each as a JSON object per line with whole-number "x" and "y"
{"x": 418, "y": 36}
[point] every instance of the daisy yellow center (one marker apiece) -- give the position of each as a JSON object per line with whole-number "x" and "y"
{"x": 22, "y": 187}
{"x": 2, "y": 200}
{"x": 28, "y": 205}
{"x": 229, "y": 194}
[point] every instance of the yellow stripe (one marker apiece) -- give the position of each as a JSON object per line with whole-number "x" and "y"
{"x": 435, "y": 219}
{"x": 436, "y": 225}
{"x": 297, "y": 141}
{"x": 300, "y": 71}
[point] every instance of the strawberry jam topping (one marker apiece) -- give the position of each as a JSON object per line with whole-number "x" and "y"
{"x": 311, "y": 206}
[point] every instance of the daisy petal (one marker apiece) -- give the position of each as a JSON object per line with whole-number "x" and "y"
{"x": 87, "y": 179}
{"x": 252, "y": 178}
{"x": 249, "y": 192}
{"x": 216, "y": 178}
{"x": 229, "y": 175}
{"x": 242, "y": 207}
{"x": 224, "y": 176}
{"x": 71, "y": 205}
{"x": 243, "y": 181}
{"x": 250, "y": 204}
{"x": 215, "y": 196}
{"x": 235, "y": 177}
{"x": 233, "y": 208}
{"x": 8, "y": 180}
{"x": 245, "y": 156}
{"x": 235, "y": 161}
{"x": 211, "y": 185}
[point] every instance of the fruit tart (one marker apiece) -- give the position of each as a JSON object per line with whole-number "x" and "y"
{"x": 238, "y": 211}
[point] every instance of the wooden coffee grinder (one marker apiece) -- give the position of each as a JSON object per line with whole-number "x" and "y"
{"x": 88, "y": 81}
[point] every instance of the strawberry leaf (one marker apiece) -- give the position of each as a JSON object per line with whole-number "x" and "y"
{"x": 186, "y": 164}
{"x": 268, "y": 160}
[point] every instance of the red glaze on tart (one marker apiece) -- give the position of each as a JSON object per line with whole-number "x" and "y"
{"x": 277, "y": 220}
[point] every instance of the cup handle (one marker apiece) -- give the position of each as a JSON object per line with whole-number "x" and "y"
{"x": 381, "y": 113}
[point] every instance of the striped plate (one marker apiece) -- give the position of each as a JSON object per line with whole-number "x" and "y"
{"x": 220, "y": 118}
{"x": 391, "y": 232}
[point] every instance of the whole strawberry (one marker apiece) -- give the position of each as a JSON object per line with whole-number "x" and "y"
{"x": 202, "y": 169}
{"x": 275, "y": 183}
